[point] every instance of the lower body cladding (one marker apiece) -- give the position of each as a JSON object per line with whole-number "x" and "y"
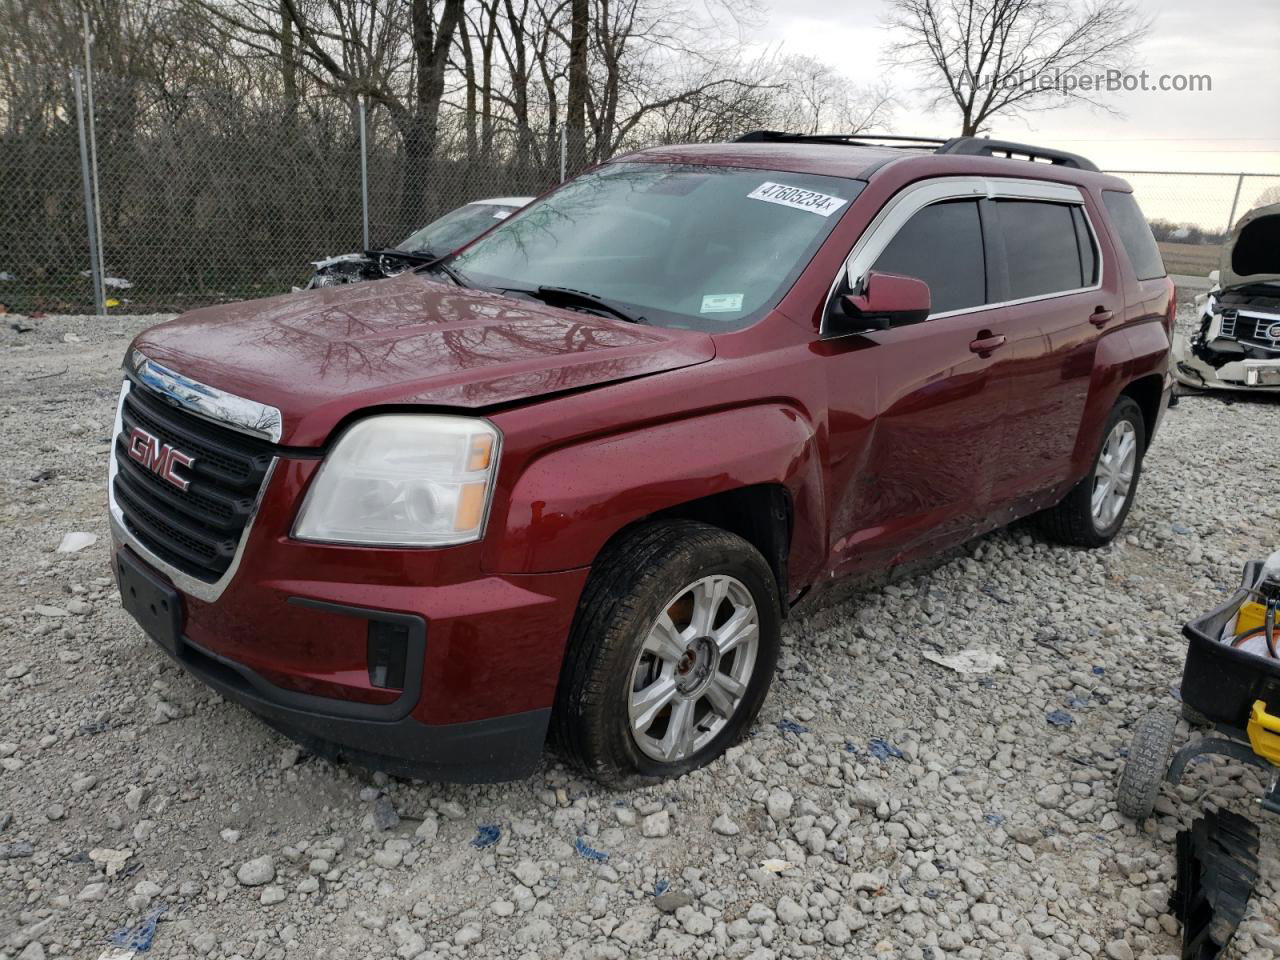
{"x": 452, "y": 682}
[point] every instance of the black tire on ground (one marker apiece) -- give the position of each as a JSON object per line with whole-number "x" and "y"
{"x": 1149, "y": 755}
{"x": 1071, "y": 521}
{"x": 631, "y": 581}
{"x": 1194, "y": 717}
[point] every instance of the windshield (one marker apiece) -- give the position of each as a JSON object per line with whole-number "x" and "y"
{"x": 707, "y": 248}
{"x": 456, "y": 228}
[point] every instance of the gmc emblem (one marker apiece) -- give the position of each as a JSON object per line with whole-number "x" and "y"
{"x": 160, "y": 458}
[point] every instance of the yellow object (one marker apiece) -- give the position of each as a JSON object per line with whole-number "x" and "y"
{"x": 1264, "y": 733}
{"x": 111, "y": 302}
{"x": 1250, "y": 617}
{"x": 470, "y": 507}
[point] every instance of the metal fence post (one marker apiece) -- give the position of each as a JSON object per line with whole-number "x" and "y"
{"x": 93, "y": 148}
{"x": 1231, "y": 219}
{"x": 364, "y": 175}
{"x": 564, "y": 153}
{"x": 98, "y": 299}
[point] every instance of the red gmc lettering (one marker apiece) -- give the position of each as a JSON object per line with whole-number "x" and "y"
{"x": 160, "y": 459}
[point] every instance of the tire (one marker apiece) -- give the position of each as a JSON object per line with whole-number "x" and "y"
{"x": 635, "y": 633}
{"x": 1074, "y": 520}
{"x": 1149, "y": 755}
{"x": 1194, "y": 717}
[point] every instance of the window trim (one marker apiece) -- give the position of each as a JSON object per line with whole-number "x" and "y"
{"x": 911, "y": 199}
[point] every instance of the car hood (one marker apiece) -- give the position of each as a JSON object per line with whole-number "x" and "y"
{"x": 319, "y": 355}
{"x": 1252, "y": 252}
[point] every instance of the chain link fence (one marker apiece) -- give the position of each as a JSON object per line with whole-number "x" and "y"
{"x": 205, "y": 196}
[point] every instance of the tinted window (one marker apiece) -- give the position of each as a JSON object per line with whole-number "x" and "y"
{"x": 1135, "y": 234}
{"x": 1040, "y": 247}
{"x": 1088, "y": 252}
{"x": 941, "y": 245}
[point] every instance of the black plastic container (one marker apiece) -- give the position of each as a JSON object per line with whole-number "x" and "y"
{"x": 1219, "y": 681}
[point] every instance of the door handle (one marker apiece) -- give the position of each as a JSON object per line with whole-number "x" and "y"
{"x": 1101, "y": 316}
{"x": 987, "y": 343}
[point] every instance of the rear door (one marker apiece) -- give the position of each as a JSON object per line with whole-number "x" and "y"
{"x": 1057, "y": 302}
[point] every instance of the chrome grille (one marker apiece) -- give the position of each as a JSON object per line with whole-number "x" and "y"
{"x": 197, "y": 530}
{"x": 1257, "y": 329}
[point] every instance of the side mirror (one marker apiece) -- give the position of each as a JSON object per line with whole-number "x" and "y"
{"x": 887, "y": 300}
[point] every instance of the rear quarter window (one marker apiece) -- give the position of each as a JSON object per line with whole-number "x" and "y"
{"x": 1135, "y": 234}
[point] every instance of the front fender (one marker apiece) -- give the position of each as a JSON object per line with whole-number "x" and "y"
{"x": 568, "y": 502}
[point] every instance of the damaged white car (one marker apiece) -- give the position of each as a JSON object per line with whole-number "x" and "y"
{"x": 437, "y": 239}
{"x": 1235, "y": 344}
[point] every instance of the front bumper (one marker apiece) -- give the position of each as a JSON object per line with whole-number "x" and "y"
{"x": 1252, "y": 375}
{"x": 1260, "y": 376}
{"x": 479, "y": 751}
{"x": 287, "y": 637}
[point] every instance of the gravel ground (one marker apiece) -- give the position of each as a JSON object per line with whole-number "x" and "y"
{"x": 992, "y": 834}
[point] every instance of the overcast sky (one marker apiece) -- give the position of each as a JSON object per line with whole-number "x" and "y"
{"x": 1236, "y": 127}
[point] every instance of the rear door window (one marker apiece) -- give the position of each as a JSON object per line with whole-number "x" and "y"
{"x": 1088, "y": 249}
{"x": 1135, "y": 234}
{"x": 941, "y": 245}
{"x": 1042, "y": 249}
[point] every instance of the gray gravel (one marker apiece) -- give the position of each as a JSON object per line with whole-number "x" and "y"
{"x": 125, "y": 786}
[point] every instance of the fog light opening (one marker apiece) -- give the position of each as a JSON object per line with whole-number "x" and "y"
{"x": 387, "y": 652}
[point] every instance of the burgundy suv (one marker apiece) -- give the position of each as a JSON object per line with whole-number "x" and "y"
{"x": 571, "y": 479}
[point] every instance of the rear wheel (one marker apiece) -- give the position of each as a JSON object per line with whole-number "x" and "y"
{"x": 671, "y": 653}
{"x": 1095, "y": 509}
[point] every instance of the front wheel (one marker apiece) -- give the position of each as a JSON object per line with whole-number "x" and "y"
{"x": 671, "y": 653}
{"x": 1095, "y": 509}
{"x": 1149, "y": 755}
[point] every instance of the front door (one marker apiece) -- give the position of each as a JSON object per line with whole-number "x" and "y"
{"x": 914, "y": 411}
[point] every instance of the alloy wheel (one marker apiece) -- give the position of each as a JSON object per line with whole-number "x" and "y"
{"x": 694, "y": 669}
{"x": 1113, "y": 476}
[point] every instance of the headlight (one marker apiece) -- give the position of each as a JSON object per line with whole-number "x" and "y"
{"x": 403, "y": 480}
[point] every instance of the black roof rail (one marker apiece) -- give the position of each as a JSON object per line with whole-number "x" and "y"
{"x": 857, "y": 139}
{"x": 982, "y": 147}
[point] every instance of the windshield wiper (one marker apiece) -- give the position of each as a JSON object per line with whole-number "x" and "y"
{"x": 581, "y": 298}
{"x": 451, "y": 272}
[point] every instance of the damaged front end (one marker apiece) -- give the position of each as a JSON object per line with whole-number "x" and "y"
{"x": 358, "y": 267}
{"x": 1235, "y": 344}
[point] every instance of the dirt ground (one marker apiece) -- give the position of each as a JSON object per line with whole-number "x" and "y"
{"x": 920, "y": 813}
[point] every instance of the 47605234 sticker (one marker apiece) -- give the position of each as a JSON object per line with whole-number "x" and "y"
{"x": 823, "y": 204}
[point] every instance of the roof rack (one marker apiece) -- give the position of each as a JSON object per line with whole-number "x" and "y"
{"x": 1007, "y": 149}
{"x": 961, "y": 146}
{"x": 859, "y": 139}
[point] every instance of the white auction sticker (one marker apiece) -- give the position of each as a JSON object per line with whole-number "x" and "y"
{"x": 721, "y": 302}
{"x": 824, "y": 205}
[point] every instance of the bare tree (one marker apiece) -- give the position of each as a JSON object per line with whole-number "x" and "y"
{"x": 576, "y": 124}
{"x": 812, "y": 97}
{"x": 989, "y": 57}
